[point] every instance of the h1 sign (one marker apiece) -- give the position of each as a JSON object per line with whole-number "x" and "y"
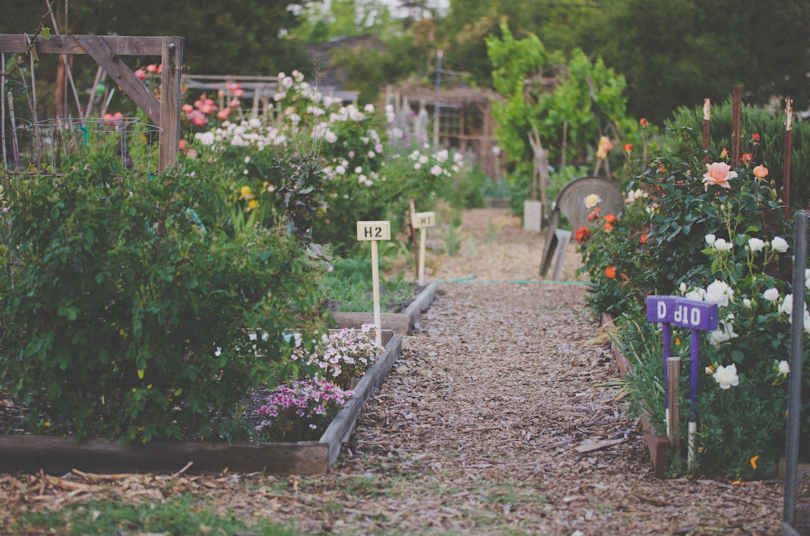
{"x": 423, "y": 219}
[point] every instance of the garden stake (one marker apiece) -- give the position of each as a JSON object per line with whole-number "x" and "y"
{"x": 795, "y": 380}
{"x": 15, "y": 149}
{"x": 735, "y": 128}
{"x": 372, "y": 231}
{"x": 672, "y": 368}
{"x": 421, "y": 221}
{"x": 786, "y": 158}
{"x": 707, "y": 116}
{"x": 414, "y": 240}
{"x": 697, "y": 316}
{"x": 3, "y": 112}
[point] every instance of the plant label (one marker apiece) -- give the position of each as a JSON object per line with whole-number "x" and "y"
{"x": 661, "y": 308}
{"x": 373, "y": 230}
{"x": 420, "y": 220}
{"x": 694, "y": 314}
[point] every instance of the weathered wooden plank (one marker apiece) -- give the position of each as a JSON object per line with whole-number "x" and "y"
{"x": 170, "y": 100}
{"x": 121, "y": 45}
{"x": 98, "y": 48}
{"x": 343, "y": 424}
{"x": 58, "y": 455}
{"x": 399, "y": 323}
{"x": 422, "y": 302}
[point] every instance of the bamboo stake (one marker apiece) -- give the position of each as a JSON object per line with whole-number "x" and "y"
{"x": 375, "y": 276}
{"x": 674, "y": 406}
{"x": 564, "y": 143}
{"x": 707, "y": 116}
{"x": 735, "y": 128}
{"x": 414, "y": 240}
{"x": 15, "y": 149}
{"x": 786, "y": 158}
{"x": 35, "y": 114}
{"x": 3, "y": 114}
{"x": 93, "y": 92}
{"x": 67, "y": 65}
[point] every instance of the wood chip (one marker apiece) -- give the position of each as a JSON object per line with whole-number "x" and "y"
{"x": 590, "y": 447}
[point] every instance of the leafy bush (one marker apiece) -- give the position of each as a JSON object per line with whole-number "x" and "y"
{"x": 131, "y": 315}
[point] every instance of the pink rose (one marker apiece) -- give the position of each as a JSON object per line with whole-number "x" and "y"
{"x": 140, "y": 74}
{"x": 187, "y": 108}
{"x": 151, "y": 68}
{"x": 719, "y": 173}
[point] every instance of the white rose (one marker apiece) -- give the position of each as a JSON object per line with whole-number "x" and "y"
{"x": 756, "y": 244}
{"x": 378, "y": 148}
{"x": 358, "y": 169}
{"x": 771, "y": 294}
{"x": 247, "y": 160}
{"x": 442, "y": 156}
{"x": 340, "y": 170}
{"x": 721, "y": 245}
{"x": 710, "y": 239}
{"x": 787, "y": 305}
{"x": 423, "y": 159}
{"x": 207, "y": 138}
{"x": 457, "y": 157}
{"x": 779, "y": 244}
{"x": 747, "y": 302}
{"x": 727, "y": 376}
{"x": 719, "y": 293}
{"x": 417, "y": 165}
{"x": 784, "y": 368}
{"x": 436, "y": 170}
{"x": 369, "y": 109}
{"x": 683, "y": 288}
{"x": 696, "y": 294}
{"x": 287, "y": 82}
{"x": 331, "y": 137}
{"x": 371, "y": 154}
{"x": 592, "y": 200}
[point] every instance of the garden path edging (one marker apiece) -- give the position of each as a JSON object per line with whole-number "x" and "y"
{"x": 658, "y": 445}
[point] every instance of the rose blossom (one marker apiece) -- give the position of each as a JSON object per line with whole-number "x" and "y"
{"x": 719, "y": 173}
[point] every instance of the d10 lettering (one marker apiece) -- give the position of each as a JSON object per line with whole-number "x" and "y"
{"x": 373, "y": 230}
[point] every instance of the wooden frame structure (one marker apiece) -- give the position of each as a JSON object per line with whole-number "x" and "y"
{"x": 164, "y": 112}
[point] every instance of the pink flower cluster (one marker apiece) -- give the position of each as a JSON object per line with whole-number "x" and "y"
{"x": 202, "y": 107}
{"x": 150, "y": 69}
{"x": 309, "y": 399}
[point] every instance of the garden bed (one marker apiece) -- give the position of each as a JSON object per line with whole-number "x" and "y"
{"x": 58, "y": 455}
{"x": 658, "y": 445}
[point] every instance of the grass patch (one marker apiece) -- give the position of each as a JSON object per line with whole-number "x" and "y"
{"x": 178, "y": 516}
{"x": 349, "y": 284}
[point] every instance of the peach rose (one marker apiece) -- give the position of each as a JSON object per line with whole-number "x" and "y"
{"x": 719, "y": 173}
{"x": 760, "y": 172}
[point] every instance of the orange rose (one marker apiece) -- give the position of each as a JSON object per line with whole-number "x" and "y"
{"x": 610, "y": 272}
{"x": 643, "y": 122}
{"x": 610, "y": 218}
{"x": 583, "y": 234}
{"x": 628, "y": 147}
{"x": 760, "y": 172}
{"x": 747, "y": 158}
{"x": 643, "y": 239}
{"x": 608, "y": 227}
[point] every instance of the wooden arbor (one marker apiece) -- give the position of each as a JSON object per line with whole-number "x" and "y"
{"x": 164, "y": 112}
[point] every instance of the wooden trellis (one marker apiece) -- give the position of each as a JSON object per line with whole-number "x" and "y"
{"x": 164, "y": 112}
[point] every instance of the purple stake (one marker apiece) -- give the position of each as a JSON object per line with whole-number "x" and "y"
{"x": 694, "y": 366}
{"x": 667, "y": 331}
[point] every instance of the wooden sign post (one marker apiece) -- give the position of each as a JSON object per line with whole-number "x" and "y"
{"x": 372, "y": 231}
{"x": 421, "y": 221}
{"x": 697, "y": 316}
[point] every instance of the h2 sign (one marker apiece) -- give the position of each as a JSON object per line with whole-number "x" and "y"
{"x": 373, "y": 230}
{"x": 683, "y": 313}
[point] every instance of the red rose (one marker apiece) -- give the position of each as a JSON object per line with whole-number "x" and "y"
{"x": 643, "y": 239}
{"x": 610, "y": 272}
{"x": 583, "y": 234}
{"x": 610, "y": 218}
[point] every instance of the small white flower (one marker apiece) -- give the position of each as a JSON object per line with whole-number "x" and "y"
{"x": 371, "y": 154}
{"x": 784, "y": 368}
{"x": 423, "y": 159}
{"x": 369, "y": 109}
{"x": 771, "y": 294}
{"x": 417, "y": 165}
{"x": 436, "y": 170}
{"x": 362, "y": 178}
{"x": 340, "y": 170}
{"x": 696, "y": 294}
{"x": 287, "y": 82}
{"x": 779, "y": 244}
{"x": 683, "y": 288}
{"x": 358, "y": 169}
{"x": 279, "y": 95}
{"x": 719, "y": 293}
{"x": 247, "y": 160}
{"x": 457, "y": 157}
{"x": 756, "y": 244}
{"x": 727, "y": 376}
{"x": 710, "y": 239}
{"x": 746, "y": 302}
{"x": 721, "y": 245}
{"x": 330, "y": 136}
{"x": 592, "y": 200}
{"x": 245, "y": 172}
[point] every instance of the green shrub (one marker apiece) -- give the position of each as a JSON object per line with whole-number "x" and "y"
{"x": 131, "y": 316}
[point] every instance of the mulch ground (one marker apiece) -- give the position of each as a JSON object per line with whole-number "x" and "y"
{"x": 490, "y": 423}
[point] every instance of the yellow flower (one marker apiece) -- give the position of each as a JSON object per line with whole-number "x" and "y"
{"x": 246, "y": 192}
{"x": 140, "y": 374}
{"x": 47, "y": 423}
{"x": 754, "y": 461}
{"x": 150, "y": 386}
{"x": 252, "y": 204}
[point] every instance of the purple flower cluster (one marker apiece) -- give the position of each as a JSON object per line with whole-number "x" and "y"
{"x": 307, "y": 399}
{"x": 341, "y": 356}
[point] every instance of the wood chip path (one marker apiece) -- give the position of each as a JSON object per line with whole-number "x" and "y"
{"x": 489, "y": 424}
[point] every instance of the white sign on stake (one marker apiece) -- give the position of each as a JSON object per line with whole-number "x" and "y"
{"x": 421, "y": 221}
{"x": 372, "y": 231}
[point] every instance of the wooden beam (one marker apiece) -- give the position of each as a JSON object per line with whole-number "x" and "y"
{"x": 98, "y": 48}
{"x": 121, "y": 45}
{"x": 170, "y": 100}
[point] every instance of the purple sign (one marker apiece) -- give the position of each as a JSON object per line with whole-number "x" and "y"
{"x": 683, "y": 313}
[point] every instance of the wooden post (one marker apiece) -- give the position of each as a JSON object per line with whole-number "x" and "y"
{"x": 707, "y": 115}
{"x": 3, "y": 113}
{"x": 421, "y": 221}
{"x": 674, "y": 406}
{"x": 786, "y": 159}
{"x": 735, "y": 128}
{"x": 372, "y": 231}
{"x": 414, "y": 240}
{"x": 170, "y": 99}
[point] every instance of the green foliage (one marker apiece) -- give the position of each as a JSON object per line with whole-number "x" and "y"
{"x": 685, "y": 136}
{"x": 131, "y": 315}
{"x": 452, "y": 240}
{"x": 349, "y": 284}
{"x": 176, "y": 515}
